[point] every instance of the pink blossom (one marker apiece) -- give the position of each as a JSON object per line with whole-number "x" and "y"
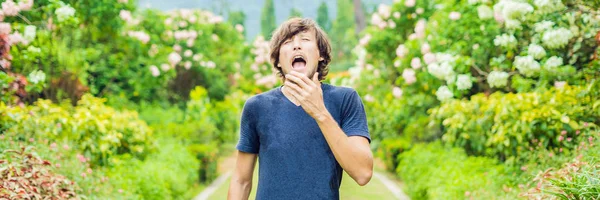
{"x": 429, "y": 58}
{"x": 120, "y": 190}
{"x": 369, "y": 98}
{"x": 66, "y": 147}
{"x": 467, "y": 193}
{"x": 31, "y": 140}
{"x": 81, "y": 158}
{"x": 57, "y": 165}
{"x": 364, "y": 40}
{"x": 123, "y": 1}
{"x": 10, "y": 8}
{"x": 165, "y": 67}
{"x": 53, "y": 145}
{"x": 83, "y": 174}
{"x": 569, "y": 139}
{"x": 585, "y": 124}
{"x": 415, "y": 63}
{"x": 239, "y": 28}
{"x": 4, "y": 28}
{"x": 560, "y": 138}
{"x": 454, "y": 16}
{"x": 498, "y": 16}
{"x": 397, "y": 92}
{"x": 177, "y": 48}
{"x": 174, "y": 58}
{"x": 140, "y": 35}
{"x": 26, "y": 5}
{"x": 559, "y": 84}
{"x": 190, "y": 43}
{"x": 524, "y": 168}
{"x": 396, "y": 15}
{"x": 550, "y": 154}
{"x": 89, "y": 170}
{"x": 425, "y": 48}
{"x": 125, "y": 15}
{"x": 410, "y": 3}
{"x": 401, "y": 51}
{"x": 154, "y": 70}
{"x": 577, "y": 132}
{"x": 188, "y": 53}
{"x": 187, "y": 64}
{"x": 409, "y": 76}
{"x": 563, "y": 132}
{"x": 15, "y": 38}
{"x": 420, "y": 28}
{"x": 590, "y": 139}
{"x": 1, "y": 137}
{"x": 384, "y": 10}
{"x": 560, "y": 150}
{"x": 419, "y": 11}
{"x": 391, "y": 23}
{"x": 215, "y": 37}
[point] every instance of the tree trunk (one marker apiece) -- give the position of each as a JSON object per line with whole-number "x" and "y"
{"x": 359, "y": 16}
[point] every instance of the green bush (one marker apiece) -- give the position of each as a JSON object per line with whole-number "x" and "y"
{"x": 433, "y": 171}
{"x": 99, "y": 131}
{"x": 505, "y": 125}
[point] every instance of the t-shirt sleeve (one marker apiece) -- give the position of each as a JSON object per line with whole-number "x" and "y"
{"x": 354, "y": 119}
{"x": 248, "y": 141}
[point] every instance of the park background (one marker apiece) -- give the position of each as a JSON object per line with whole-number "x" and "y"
{"x": 466, "y": 99}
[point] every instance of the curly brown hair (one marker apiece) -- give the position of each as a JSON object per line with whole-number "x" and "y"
{"x": 292, "y": 27}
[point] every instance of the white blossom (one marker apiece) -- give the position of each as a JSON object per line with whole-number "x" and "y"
{"x": 553, "y": 62}
{"x": 526, "y": 65}
{"x": 506, "y": 41}
{"x": 543, "y": 26}
{"x": 443, "y": 93}
{"x": 497, "y": 79}
{"x": 557, "y": 38}
{"x": 64, "y": 12}
{"x": 548, "y": 6}
{"x": 463, "y": 82}
{"x": 485, "y": 12}
{"x": 536, "y": 51}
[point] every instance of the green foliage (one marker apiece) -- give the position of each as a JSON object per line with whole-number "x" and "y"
{"x": 433, "y": 171}
{"x": 323, "y": 17}
{"x": 267, "y": 19}
{"x": 99, "y": 131}
{"x": 295, "y": 13}
{"x": 343, "y": 34}
{"x": 505, "y": 125}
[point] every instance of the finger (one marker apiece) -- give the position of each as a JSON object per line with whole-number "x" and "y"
{"x": 296, "y": 88}
{"x": 304, "y": 78}
{"x": 294, "y": 78}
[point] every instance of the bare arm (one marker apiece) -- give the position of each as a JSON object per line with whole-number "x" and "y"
{"x": 241, "y": 180}
{"x": 352, "y": 152}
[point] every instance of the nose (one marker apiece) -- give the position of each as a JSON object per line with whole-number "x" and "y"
{"x": 296, "y": 45}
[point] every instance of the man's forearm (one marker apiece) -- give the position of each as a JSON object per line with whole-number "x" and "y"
{"x": 354, "y": 156}
{"x": 239, "y": 190}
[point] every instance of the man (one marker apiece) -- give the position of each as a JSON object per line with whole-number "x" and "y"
{"x": 303, "y": 132}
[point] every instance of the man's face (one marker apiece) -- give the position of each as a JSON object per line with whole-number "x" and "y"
{"x": 300, "y": 53}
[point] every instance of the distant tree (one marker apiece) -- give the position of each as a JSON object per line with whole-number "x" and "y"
{"x": 323, "y": 17}
{"x": 359, "y": 16}
{"x": 267, "y": 19}
{"x": 295, "y": 13}
{"x": 343, "y": 35}
{"x": 238, "y": 17}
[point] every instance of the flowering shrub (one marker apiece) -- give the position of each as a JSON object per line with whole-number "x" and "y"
{"x": 100, "y": 131}
{"x": 505, "y": 125}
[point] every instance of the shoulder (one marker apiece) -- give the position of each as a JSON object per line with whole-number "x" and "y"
{"x": 340, "y": 91}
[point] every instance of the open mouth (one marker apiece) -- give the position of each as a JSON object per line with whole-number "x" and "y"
{"x": 298, "y": 62}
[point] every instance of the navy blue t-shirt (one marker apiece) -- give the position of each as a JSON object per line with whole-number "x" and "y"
{"x": 295, "y": 161}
